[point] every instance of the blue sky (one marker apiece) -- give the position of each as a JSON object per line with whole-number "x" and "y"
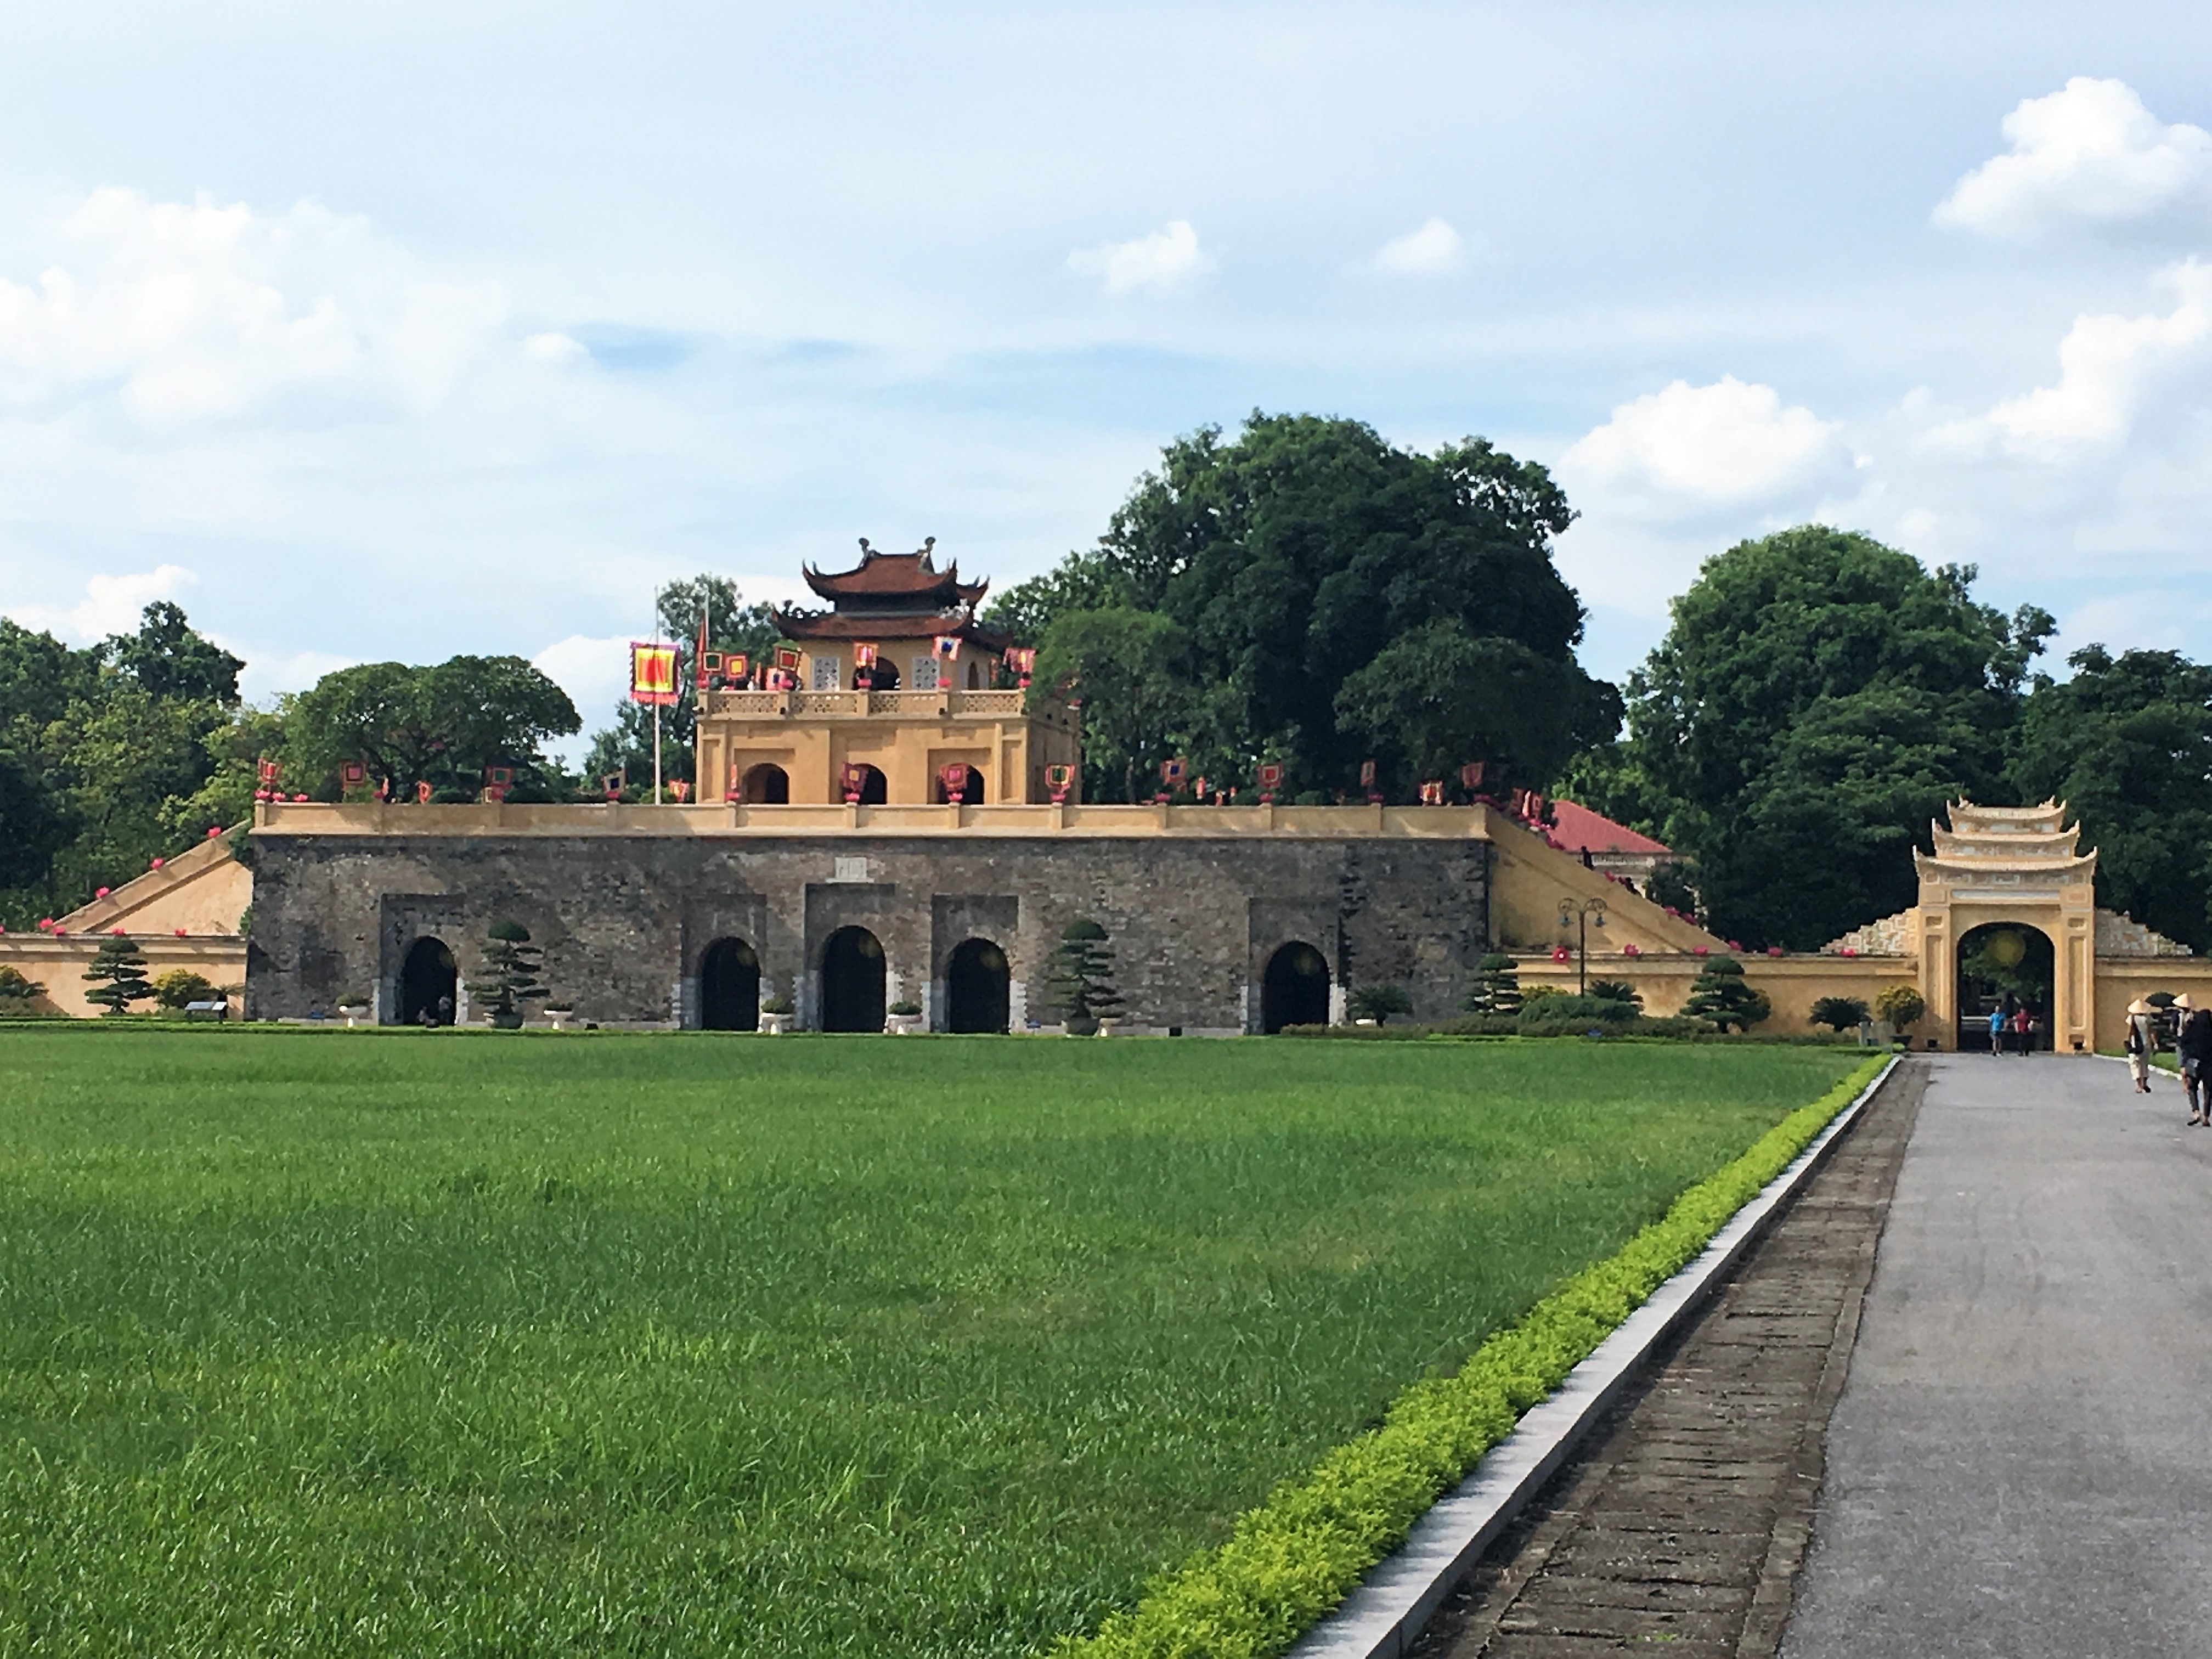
{"x": 398, "y": 330}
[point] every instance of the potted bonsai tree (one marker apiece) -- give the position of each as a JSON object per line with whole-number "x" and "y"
{"x": 1898, "y": 1007}
{"x": 776, "y": 1015}
{"x": 1080, "y": 980}
{"x": 511, "y": 963}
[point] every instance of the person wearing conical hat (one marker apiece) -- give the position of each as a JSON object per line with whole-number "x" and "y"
{"x": 2141, "y": 1041}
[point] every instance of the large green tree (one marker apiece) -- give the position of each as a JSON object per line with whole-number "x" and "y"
{"x": 1293, "y": 555}
{"x": 2127, "y": 743}
{"x": 101, "y": 750}
{"x": 1818, "y": 699}
{"x": 1130, "y": 671}
{"x": 441, "y": 725}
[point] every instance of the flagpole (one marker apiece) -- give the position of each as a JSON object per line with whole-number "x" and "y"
{"x": 656, "y": 715}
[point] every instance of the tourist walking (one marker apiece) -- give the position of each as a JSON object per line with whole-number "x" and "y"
{"x": 2023, "y": 1028}
{"x": 2194, "y": 1047}
{"x": 2141, "y": 1041}
{"x": 1996, "y": 1029}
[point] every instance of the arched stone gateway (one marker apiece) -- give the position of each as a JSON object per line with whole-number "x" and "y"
{"x": 729, "y": 987}
{"x": 1294, "y": 990}
{"x": 978, "y": 985}
{"x": 852, "y": 981}
{"x": 429, "y": 984}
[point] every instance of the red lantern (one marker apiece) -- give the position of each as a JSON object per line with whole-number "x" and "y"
{"x": 156, "y": 864}
{"x": 1700, "y": 951}
{"x": 181, "y": 933}
{"x": 1560, "y": 953}
{"x": 1774, "y": 950}
{"x": 1432, "y": 794}
{"x": 100, "y": 893}
{"x": 116, "y": 931}
{"x": 214, "y": 829}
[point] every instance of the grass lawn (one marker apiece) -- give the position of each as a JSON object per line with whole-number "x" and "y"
{"x": 521, "y": 1344}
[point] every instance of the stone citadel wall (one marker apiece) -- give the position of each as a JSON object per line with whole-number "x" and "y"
{"x": 626, "y": 918}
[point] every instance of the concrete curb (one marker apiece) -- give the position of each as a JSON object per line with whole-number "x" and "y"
{"x": 1384, "y": 1617}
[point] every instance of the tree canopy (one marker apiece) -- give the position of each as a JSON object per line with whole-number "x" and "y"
{"x": 441, "y": 725}
{"x": 1818, "y": 699}
{"x": 2127, "y": 743}
{"x": 107, "y": 755}
{"x": 1289, "y": 559}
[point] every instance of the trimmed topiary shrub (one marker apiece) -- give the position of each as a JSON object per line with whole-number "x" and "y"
{"x": 1838, "y": 1013}
{"x": 1722, "y": 995}
{"x": 1497, "y": 987}
{"x": 1378, "y": 1002}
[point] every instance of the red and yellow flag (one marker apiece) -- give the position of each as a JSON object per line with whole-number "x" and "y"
{"x": 652, "y": 673}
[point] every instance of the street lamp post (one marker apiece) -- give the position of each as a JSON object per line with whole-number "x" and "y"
{"x": 1582, "y": 914}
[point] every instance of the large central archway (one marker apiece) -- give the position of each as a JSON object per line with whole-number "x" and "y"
{"x": 2003, "y": 965}
{"x": 977, "y": 983}
{"x": 429, "y": 983}
{"x": 1294, "y": 990}
{"x": 729, "y": 987}
{"x": 852, "y": 981}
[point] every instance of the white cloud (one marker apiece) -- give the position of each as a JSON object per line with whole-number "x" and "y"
{"x": 1162, "y": 259}
{"x": 112, "y": 605}
{"x": 1725, "y": 444}
{"x": 594, "y": 672}
{"x": 190, "y": 312}
{"x": 2090, "y": 151}
{"x": 269, "y": 672}
{"x": 2109, "y": 367}
{"x": 554, "y": 348}
{"x": 1432, "y": 251}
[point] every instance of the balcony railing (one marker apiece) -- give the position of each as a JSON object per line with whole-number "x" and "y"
{"x": 862, "y": 705}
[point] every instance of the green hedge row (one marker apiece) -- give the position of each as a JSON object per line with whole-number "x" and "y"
{"x": 1300, "y": 1554}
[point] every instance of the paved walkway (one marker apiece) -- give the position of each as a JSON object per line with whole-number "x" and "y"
{"x": 1685, "y": 1521}
{"x": 2020, "y": 1464}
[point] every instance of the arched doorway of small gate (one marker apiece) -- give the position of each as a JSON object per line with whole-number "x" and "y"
{"x": 852, "y": 981}
{"x": 729, "y": 987}
{"x": 978, "y": 986}
{"x": 2003, "y": 966}
{"x": 429, "y": 983}
{"x": 766, "y": 785}
{"x": 971, "y": 792}
{"x": 1294, "y": 990}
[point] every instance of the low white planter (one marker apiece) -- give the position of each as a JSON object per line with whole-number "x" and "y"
{"x": 903, "y": 1024}
{"x": 560, "y": 1016}
{"x": 775, "y": 1025}
{"x": 352, "y": 1013}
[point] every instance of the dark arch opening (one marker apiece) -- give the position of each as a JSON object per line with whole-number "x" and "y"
{"x": 729, "y": 987}
{"x": 977, "y": 983}
{"x": 852, "y": 981}
{"x": 975, "y": 677}
{"x": 429, "y": 981}
{"x": 885, "y": 677}
{"x": 2003, "y": 965}
{"x": 971, "y": 794}
{"x": 874, "y": 790}
{"x": 765, "y": 785}
{"x": 1295, "y": 989}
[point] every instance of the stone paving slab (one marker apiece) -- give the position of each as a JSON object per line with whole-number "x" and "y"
{"x": 1680, "y": 1528}
{"x": 2022, "y": 1464}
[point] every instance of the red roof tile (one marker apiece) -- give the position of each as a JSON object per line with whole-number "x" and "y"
{"x": 1576, "y": 827}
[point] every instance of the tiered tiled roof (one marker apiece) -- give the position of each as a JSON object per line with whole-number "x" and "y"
{"x": 895, "y": 595}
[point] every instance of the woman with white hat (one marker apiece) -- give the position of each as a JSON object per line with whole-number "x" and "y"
{"x": 2142, "y": 1042}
